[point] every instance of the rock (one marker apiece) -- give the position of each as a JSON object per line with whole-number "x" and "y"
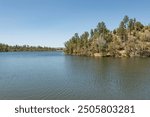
{"x": 109, "y": 55}
{"x": 123, "y": 53}
{"x": 97, "y": 55}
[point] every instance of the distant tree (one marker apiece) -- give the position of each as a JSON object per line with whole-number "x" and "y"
{"x": 126, "y": 20}
{"x": 122, "y": 31}
{"x": 76, "y": 36}
{"x": 114, "y": 31}
{"x": 134, "y": 20}
{"x": 139, "y": 26}
{"x": 131, "y": 25}
{"x": 16, "y": 48}
{"x": 92, "y": 33}
{"x": 101, "y": 27}
{"x": 84, "y": 38}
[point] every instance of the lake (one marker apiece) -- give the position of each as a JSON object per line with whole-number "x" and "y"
{"x": 53, "y": 75}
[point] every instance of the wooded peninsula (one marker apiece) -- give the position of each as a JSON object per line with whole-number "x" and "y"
{"x": 130, "y": 39}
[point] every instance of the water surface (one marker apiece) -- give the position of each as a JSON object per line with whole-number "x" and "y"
{"x": 53, "y": 75}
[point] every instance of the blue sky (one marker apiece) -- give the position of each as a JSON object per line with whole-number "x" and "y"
{"x": 52, "y": 22}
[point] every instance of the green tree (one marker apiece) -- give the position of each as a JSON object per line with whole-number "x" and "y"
{"x": 122, "y": 31}
{"x": 131, "y": 25}
{"x": 138, "y": 26}
{"x": 92, "y": 33}
{"x": 102, "y": 29}
{"x": 126, "y": 20}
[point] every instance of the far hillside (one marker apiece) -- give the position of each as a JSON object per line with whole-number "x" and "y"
{"x": 17, "y": 48}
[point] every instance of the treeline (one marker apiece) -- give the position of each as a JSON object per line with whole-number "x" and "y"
{"x": 17, "y": 48}
{"x": 130, "y": 39}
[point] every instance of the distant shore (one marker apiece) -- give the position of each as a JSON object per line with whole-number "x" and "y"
{"x": 26, "y": 48}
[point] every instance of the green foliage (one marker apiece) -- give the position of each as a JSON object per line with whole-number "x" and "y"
{"x": 138, "y": 26}
{"x": 131, "y": 38}
{"x": 121, "y": 31}
{"x": 131, "y": 25}
{"x": 92, "y": 33}
{"x": 87, "y": 44}
{"x": 16, "y": 48}
{"x": 101, "y": 27}
{"x": 126, "y": 20}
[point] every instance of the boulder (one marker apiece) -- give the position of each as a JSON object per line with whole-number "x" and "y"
{"x": 123, "y": 53}
{"x": 97, "y": 55}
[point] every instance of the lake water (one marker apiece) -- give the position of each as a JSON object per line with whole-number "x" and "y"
{"x": 53, "y": 75}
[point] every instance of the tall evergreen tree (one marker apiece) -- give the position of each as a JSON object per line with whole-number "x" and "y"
{"x": 131, "y": 25}
{"x": 126, "y": 20}
{"x": 122, "y": 31}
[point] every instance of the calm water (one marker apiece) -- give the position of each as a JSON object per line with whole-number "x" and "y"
{"x": 53, "y": 75}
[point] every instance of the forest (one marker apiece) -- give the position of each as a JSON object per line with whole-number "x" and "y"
{"x": 130, "y": 39}
{"x": 17, "y": 48}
